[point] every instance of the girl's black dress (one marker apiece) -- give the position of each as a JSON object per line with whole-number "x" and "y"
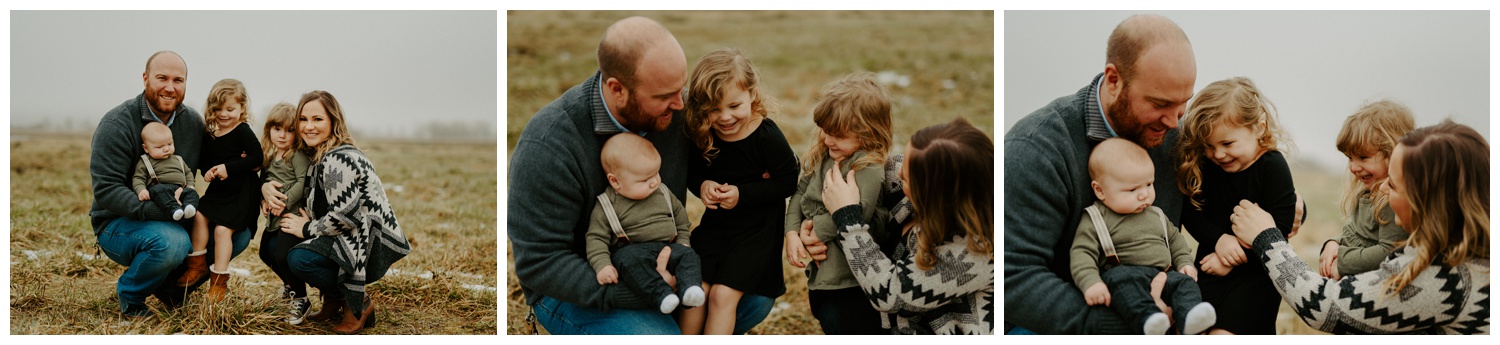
{"x": 233, "y": 202}
{"x": 741, "y": 247}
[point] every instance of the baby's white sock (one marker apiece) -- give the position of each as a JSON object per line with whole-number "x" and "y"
{"x": 1157, "y": 324}
{"x": 669, "y": 304}
{"x": 693, "y": 297}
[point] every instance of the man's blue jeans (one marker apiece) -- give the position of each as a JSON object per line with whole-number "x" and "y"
{"x": 152, "y": 250}
{"x": 560, "y": 317}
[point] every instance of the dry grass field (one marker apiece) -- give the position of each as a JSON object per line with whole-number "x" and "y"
{"x": 443, "y": 195}
{"x": 936, "y": 65}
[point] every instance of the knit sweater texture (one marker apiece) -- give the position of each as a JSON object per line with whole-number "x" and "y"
{"x": 955, "y": 296}
{"x": 170, "y": 170}
{"x": 807, "y": 203}
{"x": 645, "y": 220}
{"x": 115, "y": 148}
{"x": 1046, "y": 189}
{"x": 358, "y": 230}
{"x": 555, "y": 174}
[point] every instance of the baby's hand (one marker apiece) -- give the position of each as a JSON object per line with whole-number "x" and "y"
{"x": 1189, "y": 271}
{"x": 607, "y": 275}
{"x": 143, "y": 195}
{"x": 1097, "y": 294}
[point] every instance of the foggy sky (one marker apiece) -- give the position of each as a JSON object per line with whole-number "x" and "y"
{"x": 1316, "y": 67}
{"x": 392, "y": 71}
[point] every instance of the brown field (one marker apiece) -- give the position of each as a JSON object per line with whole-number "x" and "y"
{"x": 937, "y": 66}
{"x": 443, "y": 195}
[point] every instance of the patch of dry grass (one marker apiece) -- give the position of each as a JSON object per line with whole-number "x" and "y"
{"x": 442, "y": 193}
{"x": 938, "y": 65}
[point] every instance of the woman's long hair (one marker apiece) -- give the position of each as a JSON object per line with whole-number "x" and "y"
{"x": 951, "y": 171}
{"x": 716, "y": 73}
{"x": 282, "y": 116}
{"x": 1446, "y": 174}
{"x": 222, "y": 92}
{"x": 338, "y": 132}
{"x": 1371, "y": 131}
{"x": 852, "y": 106}
{"x": 1235, "y": 100}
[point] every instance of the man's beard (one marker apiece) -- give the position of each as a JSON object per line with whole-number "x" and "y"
{"x": 1126, "y": 124}
{"x": 637, "y": 120}
{"x": 156, "y": 104}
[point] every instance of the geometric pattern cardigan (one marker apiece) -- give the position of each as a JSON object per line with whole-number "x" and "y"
{"x": 1441, "y": 300}
{"x": 359, "y": 230}
{"x": 956, "y": 296}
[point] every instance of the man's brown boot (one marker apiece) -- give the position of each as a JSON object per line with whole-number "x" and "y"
{"x": 218, "y": 286}
{"x": 197, "y": 270}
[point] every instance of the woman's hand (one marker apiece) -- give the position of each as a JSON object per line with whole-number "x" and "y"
{"x": 1249, "y": 220}
{"x": 292, "y": 223}
{"x": 795, "y": 254}
{"x": 1328, "y": 262}
{"x": 272, "y": 198}
{"x": 1229, "y": 251}
{"x": 839, "y": 191}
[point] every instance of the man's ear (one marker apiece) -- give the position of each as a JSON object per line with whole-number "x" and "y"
{"x": 1113, "y": 82}
{"x": 1098, "y": 189}
{"x": 616, "y": 91}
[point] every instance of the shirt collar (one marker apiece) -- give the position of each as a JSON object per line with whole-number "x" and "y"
{"x": 1096, "y": 120}
{"x": 604, "y": 119}
{"x": 152, "y": 115}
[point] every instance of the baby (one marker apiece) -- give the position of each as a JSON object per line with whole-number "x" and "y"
{"x": 161, "y": 176}
{"x": 634, "y": 220}
{"x": 1131, "y": 241}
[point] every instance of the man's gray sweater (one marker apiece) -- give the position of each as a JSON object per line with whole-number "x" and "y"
{"x": 115, "y": 149}
{"x": 1046, "y": 190}
{"x": 554, "y": 175}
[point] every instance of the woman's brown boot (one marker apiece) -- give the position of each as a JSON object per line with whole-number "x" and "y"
{"x": 333, "y": 307}
{"x": 351, "y": 324}
{"x": 218, "y": 286}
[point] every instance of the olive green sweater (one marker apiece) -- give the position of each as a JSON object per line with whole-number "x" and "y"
{"x": 1138, "y": 242}
{"x": 1365, "y": 242}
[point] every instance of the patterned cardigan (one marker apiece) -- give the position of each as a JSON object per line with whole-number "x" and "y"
{"x": 358, "y": 229}
{"x": 957, "y": 296}
{"x": 1452, "y": 300}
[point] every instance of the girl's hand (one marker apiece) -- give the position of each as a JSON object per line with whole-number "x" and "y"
{"x": 1249, "y": 220}
{"x": 1213, "y": 265}
{"x": 292, "y": 223}
{"x": 729, "y": 196}
{"x": 839, "y": 192}
{"x": 1328, "y": 262}
{"x": 815, "y": 246}
{"x": 709, "y": 193}
{"x": 795, "y": 254}
{"x": 218, "y": 172}
{"x": 1229, "y": 251}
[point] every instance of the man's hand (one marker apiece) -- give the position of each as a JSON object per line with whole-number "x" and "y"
{"x": 1328, "y": 262}
{"x": 661, "y": 267}
{"x": 143, "y": 195}
{"x": 1229, "y": 250}
{"x": 795, "y": 254}
{"x": 607, "y": 275}
{"x": 1189, "y": 271}
{"x": 1213, "y": 265}
{"x": 815, "y": 246}
{"x": 1297, "y": 217}
{"x": 1159, "y": 284}
{"x": 1097, "y": 294}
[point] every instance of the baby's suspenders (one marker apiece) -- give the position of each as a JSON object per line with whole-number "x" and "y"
{"x": 614, "y": 220}
{"x": 1110, "y": 258}
{"x": 146, "y": 160}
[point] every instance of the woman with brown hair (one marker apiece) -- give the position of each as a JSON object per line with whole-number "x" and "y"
{"x": 941, "y": 277}
{"x": 351, "y": 231}
{"x": 1437, "y": 281}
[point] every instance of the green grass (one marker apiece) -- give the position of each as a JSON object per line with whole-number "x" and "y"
{"x": 446, "y": 206}
{"x": 948, "y": 58}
